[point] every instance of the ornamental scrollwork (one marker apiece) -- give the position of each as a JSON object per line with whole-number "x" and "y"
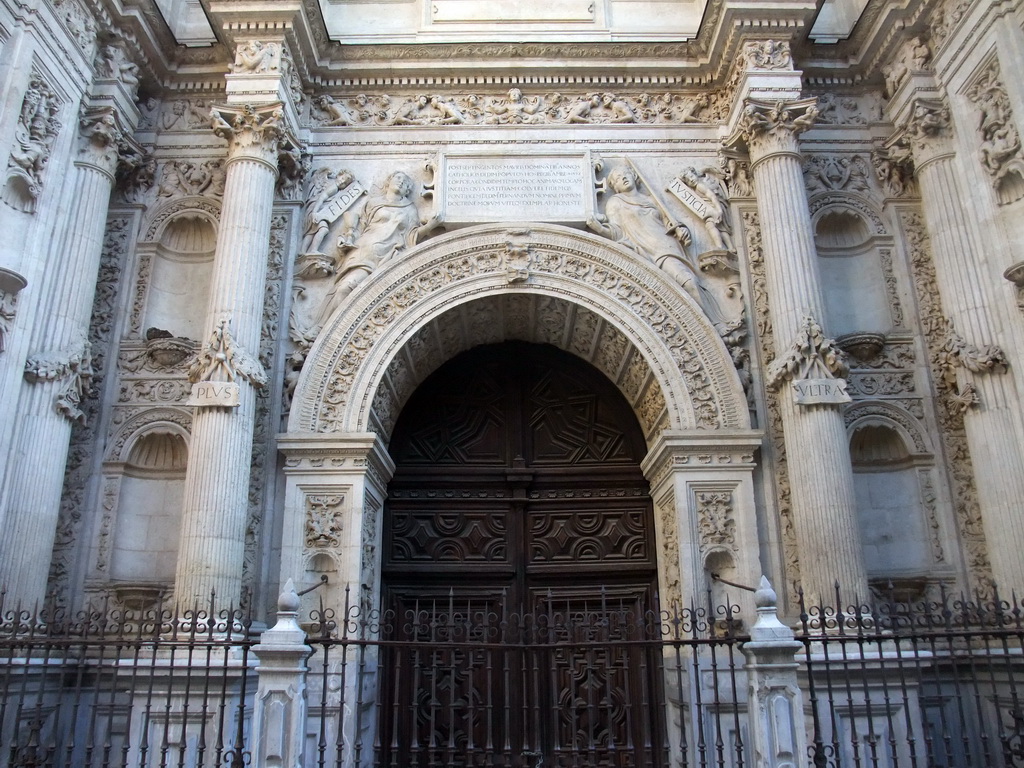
{"x": 956, "y": 357}
{"x": 222, "y": 359}
{"x": 810, "y": 356}
{"x": 73, "y": 367}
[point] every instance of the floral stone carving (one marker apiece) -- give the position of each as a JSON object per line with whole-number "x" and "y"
{"x": 815, "y": 365}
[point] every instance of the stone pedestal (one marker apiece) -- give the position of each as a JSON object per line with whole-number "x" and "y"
{"x": 806, "y": 367}
{"x": 226, "y": 370}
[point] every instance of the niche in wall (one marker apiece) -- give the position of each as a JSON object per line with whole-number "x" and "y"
{"x": 856, "y": 300}
{"x": 179, "y": 284}
{"x": 894, "y": 536}
{"x": 147, "y": 529}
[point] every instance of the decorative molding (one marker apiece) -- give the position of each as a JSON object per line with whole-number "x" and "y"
{"x": 566, "y": 263}
{"x": 189, "y": 178}
{"x": 767, "y": 55}
{"x": 950, "y": 415}
{"x": 259, "y": 133}
{"x": 825, "y": 173}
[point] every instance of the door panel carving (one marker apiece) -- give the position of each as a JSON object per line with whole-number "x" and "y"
{"x": 519, "y": 568}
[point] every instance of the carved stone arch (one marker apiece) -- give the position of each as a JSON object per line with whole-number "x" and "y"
{"x": 880, "y": 413}
{"x": 663, "y": 328}
{"x": 832, "y": 201}
{"x": 173, "y": 420}
{"x": 163, "y": 214}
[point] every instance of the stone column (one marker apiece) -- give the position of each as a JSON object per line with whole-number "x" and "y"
{"x": 226, "y": 371}
{"x": 58, "y": 372}
{"x": 972, "y": 368}
{"x": 807, "y": 369}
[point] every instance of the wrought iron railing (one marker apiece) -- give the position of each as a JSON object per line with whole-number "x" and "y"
{"x": 112, "y": 687}
{"x": 931, "y": 683}
{"x": 574, "y": 682}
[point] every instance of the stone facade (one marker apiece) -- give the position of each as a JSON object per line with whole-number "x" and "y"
{"x": 788, "y": 235}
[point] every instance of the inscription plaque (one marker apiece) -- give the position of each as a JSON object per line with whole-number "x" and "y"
{"x": 820, "y": 392}
{"x": 218, "y": 394}
{"x": 555, "y": 188}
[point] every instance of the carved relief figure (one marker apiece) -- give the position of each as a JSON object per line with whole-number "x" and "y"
{"x": 113, "y": 63}
{"x": 514, "y": 109}
{"x": 255, "y": 57}
{"x": 385, "y": 226}
{"x": 637, "y": 221}
{"x": 319, "y": 215}
{"x": 1000, "y": 141}
{"x": 337, "y": 113}
{"x": 716, "y": 218}
{"x": 33, "y": 136}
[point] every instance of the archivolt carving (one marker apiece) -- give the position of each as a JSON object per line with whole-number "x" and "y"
{"x": 909, "y": 428}
{"x": 195, "y": 206}
{"x": 839, "y": 200}
{"x": 176, "y": 420}
{"x": 694, "y": 372}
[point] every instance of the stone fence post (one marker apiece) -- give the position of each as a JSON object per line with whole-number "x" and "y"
{"x": 279, "y": 711}
{"x": 775, "y": 701}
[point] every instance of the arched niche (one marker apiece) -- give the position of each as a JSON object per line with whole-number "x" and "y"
{"x": 897, "y": 498}
{"x": 176, "y": 267}
{"x": 850, "y": 240}
{"x": 146, "y": 521}
{"x": 582, "y": 293}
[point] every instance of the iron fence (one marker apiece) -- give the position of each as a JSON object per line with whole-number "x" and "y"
{"x": 572, "y": 683}
{"x": 461, "y": 682}
{"x": 110, "y": 687}
{"x": 926, "y": 684}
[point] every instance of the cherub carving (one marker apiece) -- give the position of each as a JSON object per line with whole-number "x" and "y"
{"x": 255, "y": 57}
{"x": 709, "y": 189}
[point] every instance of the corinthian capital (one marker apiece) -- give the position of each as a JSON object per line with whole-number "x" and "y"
{"x": 769, "y": 128}
{"x": 258, "y": 133}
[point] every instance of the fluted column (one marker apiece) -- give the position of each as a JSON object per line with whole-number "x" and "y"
{"x": 807, "y": 368}
{"x": 226, "y": 372}
{"x": 973, "y": 369}
{"x": 58, "y": 370}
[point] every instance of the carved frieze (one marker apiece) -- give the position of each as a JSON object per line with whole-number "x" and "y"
{"x": 112, "y": 63}
{"x": 511, "y": 108}
{"x": 1000, "y": 146}
{"x": 825, "y": 173}
{"x": 191, "y": 178}
{"x": 914, "y": 56}
{"x": 848, "y": 109}
{"x": 79, "y": 21}
{"x": 34, "y": 134}
{"x": 767, "y": 55}
{"x": 256, "y": 57}
{"x": 182, "y": 115}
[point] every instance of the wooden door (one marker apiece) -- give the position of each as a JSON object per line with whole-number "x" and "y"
{"x": 518, "y": 560}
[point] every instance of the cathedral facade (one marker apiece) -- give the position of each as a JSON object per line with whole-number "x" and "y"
{"x": 397, "y": 298}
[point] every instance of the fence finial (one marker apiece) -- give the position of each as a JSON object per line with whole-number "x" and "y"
{"x": 768, "y": 628}
{"x": 288, "y": 600}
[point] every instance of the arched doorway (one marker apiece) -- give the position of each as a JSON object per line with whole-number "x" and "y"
{"x": 519, "y": 569}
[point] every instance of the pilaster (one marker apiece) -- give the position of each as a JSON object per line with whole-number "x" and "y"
{"x": 58, "y": 370}
{"x": 974, "y": 369}
{"x": 807, "y": 367}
